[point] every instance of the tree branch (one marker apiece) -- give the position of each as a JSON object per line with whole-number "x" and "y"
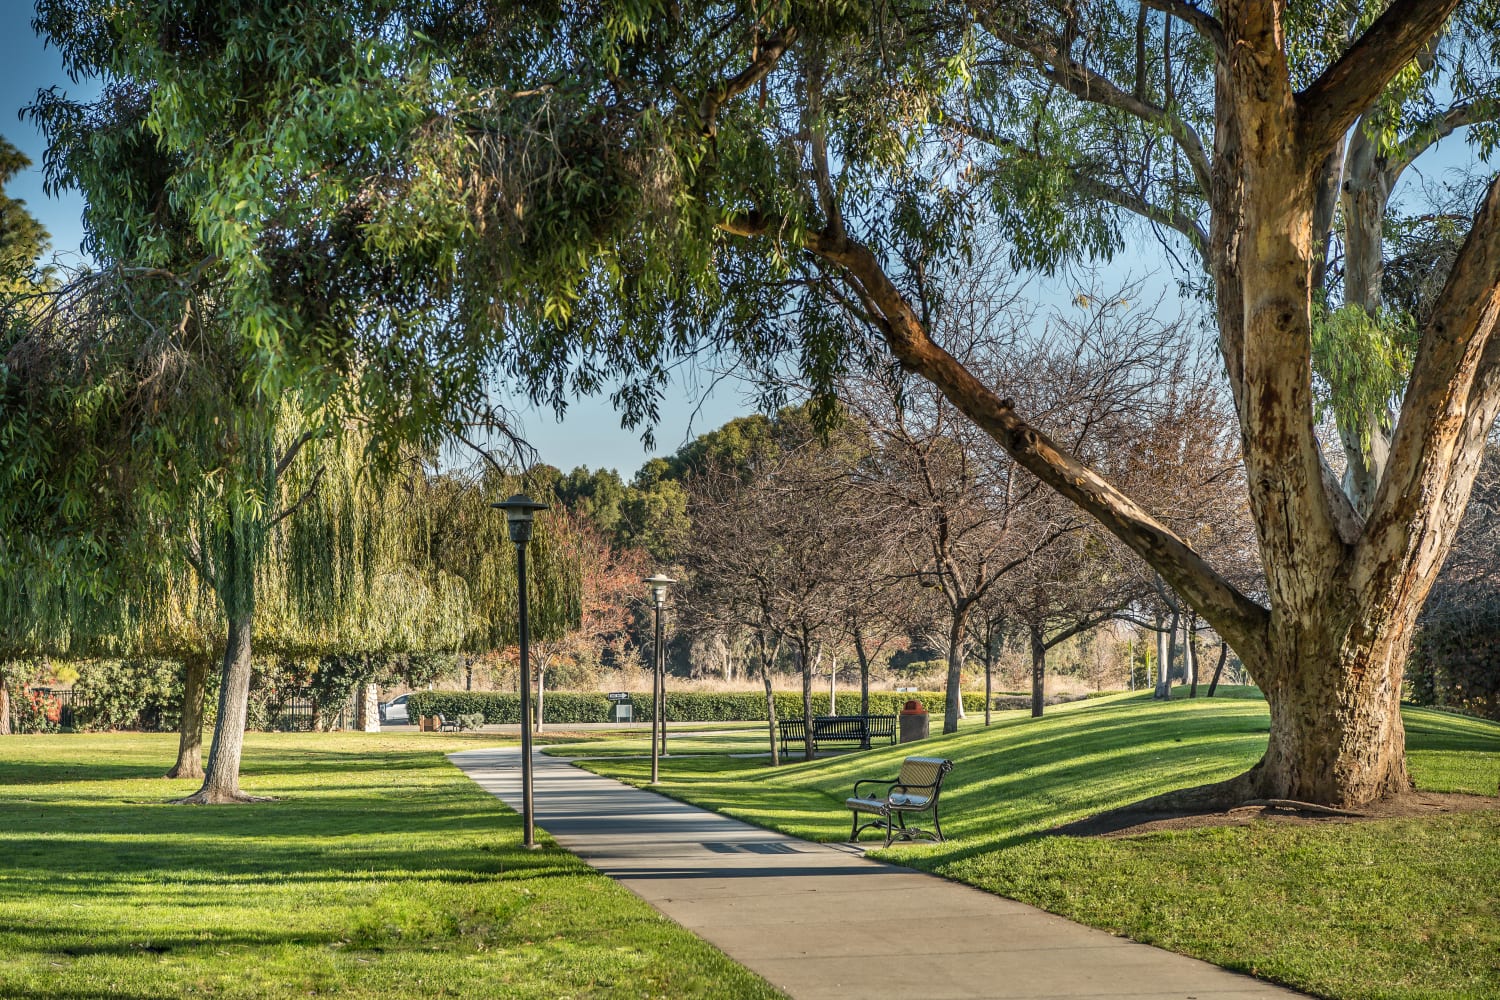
{"x": 1232, "y": 614}
{"x": 1199, "y": 20}
{"x": 1435, "y": 432}
{"x": 1331, "y": 105}
{"x": 311, "y": 489}
{"x": 1088, "y": 85}
{"x": 767, "y": 55}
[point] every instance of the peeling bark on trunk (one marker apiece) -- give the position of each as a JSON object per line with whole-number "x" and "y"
{"x": 190, "y": 741}
{"x": 4, "y": 709}
{"x": 222, "y": 783}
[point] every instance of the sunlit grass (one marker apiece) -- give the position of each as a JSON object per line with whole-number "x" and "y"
{"x": 1388, "y": 909}
{"x": 380, "y": 871}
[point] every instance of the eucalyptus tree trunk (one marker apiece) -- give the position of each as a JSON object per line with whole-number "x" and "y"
{"x": 4, "y": 708}
{"x": 953, "y": 708}
{"x": 1038, "y": 670}
{"x": 190, "y": 740}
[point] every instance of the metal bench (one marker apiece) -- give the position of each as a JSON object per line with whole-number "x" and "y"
{"x": 914, "y": 791}
{"x": 839, "y": 730}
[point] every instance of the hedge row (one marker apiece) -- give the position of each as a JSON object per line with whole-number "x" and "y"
{"x": 567, "y": 707}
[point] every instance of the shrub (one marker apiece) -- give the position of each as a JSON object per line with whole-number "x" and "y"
{"x": 571, "y": 708}
{"x": 129, "y": 694}
{"x": 471, "y": 721}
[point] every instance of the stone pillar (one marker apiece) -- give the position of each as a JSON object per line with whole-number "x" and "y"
{"x": 367, "y": 708}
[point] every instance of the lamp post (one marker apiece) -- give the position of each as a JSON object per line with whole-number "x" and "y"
{"x": 519, "y": 511}
{"x": 659, "y": 584}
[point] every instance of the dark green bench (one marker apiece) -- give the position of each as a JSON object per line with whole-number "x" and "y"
{"x": 914, "y": 791}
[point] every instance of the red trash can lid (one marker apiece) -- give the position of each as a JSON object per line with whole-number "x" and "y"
{"x": 913, "y": 707}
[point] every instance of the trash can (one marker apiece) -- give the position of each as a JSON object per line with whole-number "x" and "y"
{"x": 915, "y": 722}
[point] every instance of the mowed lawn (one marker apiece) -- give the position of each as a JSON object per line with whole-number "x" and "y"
{"x": 381, "y": 871}
{"x": 1405, "y": 908}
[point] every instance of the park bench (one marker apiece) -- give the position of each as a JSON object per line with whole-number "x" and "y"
{"x": 914, "y": 791}
{"x": 444, "y": 725}
{"x": 839, "y": 730}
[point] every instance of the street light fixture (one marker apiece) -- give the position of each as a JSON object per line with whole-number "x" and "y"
{"x": 519, "y": 511}
{"x": 659, "y": 584}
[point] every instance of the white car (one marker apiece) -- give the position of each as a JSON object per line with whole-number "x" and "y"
{"x": 394, "y": 710}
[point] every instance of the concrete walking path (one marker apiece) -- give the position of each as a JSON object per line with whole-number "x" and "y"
{"x": 821, "y": 920}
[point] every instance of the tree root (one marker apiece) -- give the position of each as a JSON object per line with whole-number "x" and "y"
{"x": 1308, "y": 807}
{"x": 207, "y": 797}
{"x": 185, "y": 772}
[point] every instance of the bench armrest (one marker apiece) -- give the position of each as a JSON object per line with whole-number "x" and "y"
{"x": 890, "y": 784}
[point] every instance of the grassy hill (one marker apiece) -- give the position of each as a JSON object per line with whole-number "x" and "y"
{"x": 1403, "y": 908}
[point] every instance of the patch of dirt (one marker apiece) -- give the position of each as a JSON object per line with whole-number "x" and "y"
{"x": 1129, "y": 822}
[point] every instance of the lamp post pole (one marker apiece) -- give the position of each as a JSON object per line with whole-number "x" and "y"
{"x": 519, "y": 510}
{"x": 659, "y": 584}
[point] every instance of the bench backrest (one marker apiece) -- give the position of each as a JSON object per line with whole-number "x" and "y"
{"x": 919, "y": 771}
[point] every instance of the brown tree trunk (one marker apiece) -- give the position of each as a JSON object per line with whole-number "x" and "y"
{"x": 1190, "y": 653}
{"x": 1213, "y": 685}
{"x": 989, "y": 671}
{"x": 953, "y": 702}
{"x": 765, "y": 678}
{"x": 864, "y": 672}
{"x": 222, "y": 783}
{"x": 190, "y": 741}
{"x": 1163, "y": 662}
{"x": 1038, "y": 671}
{"x": 4, "y": 708}
{"x": 804, "y": 651}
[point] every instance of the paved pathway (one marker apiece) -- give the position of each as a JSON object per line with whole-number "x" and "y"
{"x": 820, "y": 920}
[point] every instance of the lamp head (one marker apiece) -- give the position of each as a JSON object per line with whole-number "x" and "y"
{"x": 519, "y": 511}
{"x": 659, "y": 584}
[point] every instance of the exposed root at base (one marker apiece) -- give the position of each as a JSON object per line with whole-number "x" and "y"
{"x": 195, "y": 773}
{"x": 204, "y": 797}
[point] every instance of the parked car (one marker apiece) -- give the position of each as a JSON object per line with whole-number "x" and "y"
{"x": 394, "y": 710}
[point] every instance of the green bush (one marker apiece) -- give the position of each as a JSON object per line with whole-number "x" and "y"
{"x": 571, "y": 708}
{"x": 129, "y": 694}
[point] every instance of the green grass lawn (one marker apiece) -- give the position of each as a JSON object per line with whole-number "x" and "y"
{"x": 381, "y": 871}
{"x": 1386, "y": 909}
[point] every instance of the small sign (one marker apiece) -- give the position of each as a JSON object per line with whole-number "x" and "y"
{"x": 619, "y": 696}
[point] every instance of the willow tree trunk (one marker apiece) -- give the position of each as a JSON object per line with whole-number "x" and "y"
{"x": 190, "y": 730}
{"x": 953, "y": 708}
{"x": 222, "y": 782}
{"x": 1038, "y": 671}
